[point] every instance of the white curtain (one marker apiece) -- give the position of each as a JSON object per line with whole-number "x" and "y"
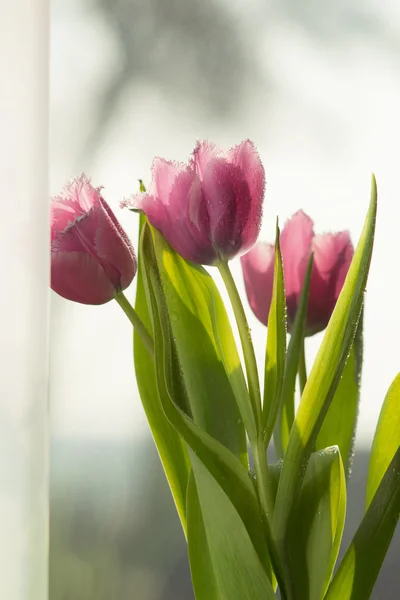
{"x": 24, "y": 255}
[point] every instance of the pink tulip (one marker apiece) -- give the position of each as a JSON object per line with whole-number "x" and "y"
{"x": 332, "y": 257}
{"x": 92, "y": 258}
{"x": 209, "y": 209}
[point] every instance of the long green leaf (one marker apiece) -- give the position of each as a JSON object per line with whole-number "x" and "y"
{"x": 201, "y": 566}
{"x": 223, "y": 465}
{"x": 274, "y": 472}
{"x": 275, "y": 354}
{"x": 340, "y": 422}
{"x": 360, "y": 566}
{"x": 286, "y": 411}
{"x": 205, "y": 346}
{"x": 238, "y": 571}
{"x": 171, "y": 448}
{"x": 386, "y": 440}
{"x": 316, "y": 525}
{"x": 324, "y": 378}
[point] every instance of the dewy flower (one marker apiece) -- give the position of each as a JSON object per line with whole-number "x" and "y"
{"x": 332, "y": 257}
{"x": 92, "y": 258}
{"x": 209, "y": 209}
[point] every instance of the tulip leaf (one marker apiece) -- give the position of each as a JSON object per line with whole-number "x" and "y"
{"x": 276, "y": 346}
{"x": 360, "y": 566}
{"x": 171, "y": 448}
{"x": 238, "y": 571}
{"x": 206, "y": 349}
{"x": 274, "y": 472}
{"x": 221, "y": 462}
{"x": 316, "y": 525}
{"x": 323, "y": 379}
{"x": 386, "y": 440}
{"x": 340, "y": 422}
{"x": 201, "y": 567}
{"x": 286, "y": 410}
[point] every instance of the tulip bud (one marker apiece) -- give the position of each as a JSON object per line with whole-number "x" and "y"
{"x": 209, "y": 209}
{"x": 92, "y": 258}
{"x": 332, "y": 257}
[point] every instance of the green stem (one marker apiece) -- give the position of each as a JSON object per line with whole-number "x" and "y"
{"x": 245, "y": 338}
{"x": 302, "y": 368}
{"x": 263, "y": 482}
{"x": 267, "y": 504}
{"x": 136, "y": 322}
{"x": 257, "y": 446}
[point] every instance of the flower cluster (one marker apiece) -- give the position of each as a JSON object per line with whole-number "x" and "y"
{"x": 209, "y": 210}
{"x": 211, "y": 420}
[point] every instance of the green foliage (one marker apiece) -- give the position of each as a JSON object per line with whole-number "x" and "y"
{"x": 201, "y": 563}
{"x": 360, "y": 566}
{"x": 239, "y": 574}
{"x": 286, "y": 410}
{"x": 204, "y": 344}
{"x": 340, "y": 422}
{"x": 275, "y": 354}
{"x": 323, "y": 380}
{"x": 170, "y": 446}
{"x": 316, "y": 525}
{"x": 201, "y": 408}
{"x": 221, "y": 463}
{"x": 386, "y": 441}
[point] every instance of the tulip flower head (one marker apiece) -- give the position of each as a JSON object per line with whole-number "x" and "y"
{"x": 210, "y": 208}
{"x": 332, "y": 252}
{"x": 92, "y": 258}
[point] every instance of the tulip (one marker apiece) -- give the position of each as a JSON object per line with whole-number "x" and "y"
{"x": 332, "y": 257}
{"x": 92, "y": 259}
{"x": 209, "y": 210}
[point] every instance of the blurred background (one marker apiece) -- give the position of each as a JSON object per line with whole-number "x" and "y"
{"x": 316, "y": 86}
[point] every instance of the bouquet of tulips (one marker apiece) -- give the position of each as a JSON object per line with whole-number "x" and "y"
{"x": 252, "y": 526}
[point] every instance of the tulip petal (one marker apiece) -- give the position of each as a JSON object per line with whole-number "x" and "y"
{"x": 91, "y": 256}
{"x": 62, "y": 215}
{"x": 81, "y": 191}
{"x": 76, "y": 199}
{"x": 209, "y": 209}
{"x": 114, "y": 248}
{"x": 179, "y": 212}
{"x": 78, "y": 235}
{"x": 332, "y": 258}
{"x": 345, "y": 252}
{"x": 79, "y": 277}
{"x": 296, "y": 238}
{"x": 79, "y": 195}
{"x": 258, "y": 273}
{"x": 84, "y": 237}
{"x": 187, "y": 225}
{"x": 246, "y": 158}
{"x": 202, "y": 155}
{"x": 164, "y": 174}
{"x": 228, "y": 203}
{"x": 156, "y": 203}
